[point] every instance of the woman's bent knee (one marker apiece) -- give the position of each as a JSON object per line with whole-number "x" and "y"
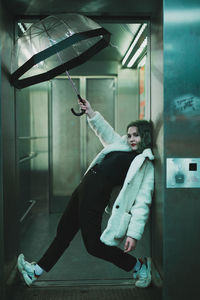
{"x": 92, "y": 248}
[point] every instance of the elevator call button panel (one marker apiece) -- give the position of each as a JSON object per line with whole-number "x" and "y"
{"x": 183, "y": 173}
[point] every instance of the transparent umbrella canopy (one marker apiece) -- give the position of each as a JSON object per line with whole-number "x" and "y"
{"x": 55, "y": 45}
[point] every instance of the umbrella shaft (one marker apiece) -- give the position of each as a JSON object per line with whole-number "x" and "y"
{"x": 72, "y": 83}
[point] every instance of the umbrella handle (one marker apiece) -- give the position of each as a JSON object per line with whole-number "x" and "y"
{"x": 82, "y": 110}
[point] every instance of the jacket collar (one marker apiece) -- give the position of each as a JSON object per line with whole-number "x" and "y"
{"x": 148, "y": 153}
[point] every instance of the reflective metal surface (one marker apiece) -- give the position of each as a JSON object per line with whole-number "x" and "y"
{"x": 65, "y": 161}
{"x": 32, "y": 144}
{"x": 156, "y": 109}
{"x": 23, "y": 147}
{"x": 181, "y": 139}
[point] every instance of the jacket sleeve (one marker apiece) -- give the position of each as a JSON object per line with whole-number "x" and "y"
{"x": 103, "y": 130}
{"x": 140, "y": 209}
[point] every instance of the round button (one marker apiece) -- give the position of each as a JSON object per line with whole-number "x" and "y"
{"x": 117, "y": 206}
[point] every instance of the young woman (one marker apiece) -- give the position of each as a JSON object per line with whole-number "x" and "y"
{"x": 125, "y": 161}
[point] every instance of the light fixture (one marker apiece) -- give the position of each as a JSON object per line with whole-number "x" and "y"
{"x": 22, "y": 27}
{"x": 133, "y": 44}
{"x": 137, "y": 53}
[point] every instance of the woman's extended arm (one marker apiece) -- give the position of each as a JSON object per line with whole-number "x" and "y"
{"x": 100, "y": 126}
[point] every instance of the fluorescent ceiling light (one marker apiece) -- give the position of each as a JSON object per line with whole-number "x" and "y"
{"x": 142, "y": 62}
{"x": 21, "y": 27}
{"x": 137, "y": 53}
{"x": 134, "y": 43}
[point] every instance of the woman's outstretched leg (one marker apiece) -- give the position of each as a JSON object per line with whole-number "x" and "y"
{"x": 94, "y": 197}
{"x": 91, "y": 232}
{"x": 66, "y": 230}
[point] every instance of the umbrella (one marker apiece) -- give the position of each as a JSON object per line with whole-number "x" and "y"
{"x": 55, "y": 45}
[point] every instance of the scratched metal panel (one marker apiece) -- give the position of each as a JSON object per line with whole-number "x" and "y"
{"x": 181, "y": 140}
{"x": 65, "y": 139}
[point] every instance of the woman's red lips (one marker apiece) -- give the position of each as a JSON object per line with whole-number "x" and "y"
{"x": 133, "y": 145}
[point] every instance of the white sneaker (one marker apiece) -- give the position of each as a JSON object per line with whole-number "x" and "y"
{"x": 26, "y": 269}
{"x": 136, "y": 271}
{"x": 143, "y": 276}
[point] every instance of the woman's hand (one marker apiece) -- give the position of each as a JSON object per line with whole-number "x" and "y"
{"x": 87, "y": 107}
{"x": 130, "y": 244}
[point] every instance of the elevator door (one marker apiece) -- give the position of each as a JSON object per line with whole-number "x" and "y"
{"x": 73, "y": 144}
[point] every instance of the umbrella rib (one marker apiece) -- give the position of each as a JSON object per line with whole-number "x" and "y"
{"x": 65, "y": 23}
{"x": 71, "y": 81}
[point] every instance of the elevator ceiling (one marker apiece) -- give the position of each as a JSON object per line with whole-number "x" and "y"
{"x": 118, "y": 17}
{"x": 89, "y": 7}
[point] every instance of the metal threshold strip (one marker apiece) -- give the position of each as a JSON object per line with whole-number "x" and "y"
{"x": 28, "y": 157}
{"x": 88, "y": 282}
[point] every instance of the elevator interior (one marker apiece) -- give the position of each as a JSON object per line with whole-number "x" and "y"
{"x": 16, "y": 132}
{"x": 55, "y": 148}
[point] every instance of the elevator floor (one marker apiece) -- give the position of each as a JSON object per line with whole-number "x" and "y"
{"x": 88, "y": 293}
{"x": 77, "y": 275}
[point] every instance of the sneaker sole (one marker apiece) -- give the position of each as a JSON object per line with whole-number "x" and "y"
{"x": 142, "y": 285}
{"x": 20, "y": 266}
{"x": 26, "y": 278}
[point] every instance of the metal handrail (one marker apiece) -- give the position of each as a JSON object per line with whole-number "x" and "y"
{"x": 31, "y": 137}
{"x": 28, "y": 157}
{"x": 31, "y": 203}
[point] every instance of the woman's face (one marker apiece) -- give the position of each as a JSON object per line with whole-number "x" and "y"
{"x": 133, "y": 137}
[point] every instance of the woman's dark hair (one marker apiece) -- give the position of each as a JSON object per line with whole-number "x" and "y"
{"x": 145, "y": 129}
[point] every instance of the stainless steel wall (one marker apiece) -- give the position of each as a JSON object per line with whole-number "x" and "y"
{"x": 32, "y": 145}
{"x": 23, "y": 147}
{"x": 157, "y": 118}
{"x": 39, "y": 132}
{"x": 181, "y": 139}
{"x": 9, "y": 198}
{"x": 65, "y": 143}
{"x": 2, "y": 286}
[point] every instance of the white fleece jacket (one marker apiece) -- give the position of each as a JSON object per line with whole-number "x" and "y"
{"x": 131, "y": 207}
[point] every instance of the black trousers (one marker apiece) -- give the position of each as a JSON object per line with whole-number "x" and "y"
{"x": 84, "y": 212}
